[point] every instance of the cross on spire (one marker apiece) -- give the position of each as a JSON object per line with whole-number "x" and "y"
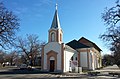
{"x": 56, "y": 6}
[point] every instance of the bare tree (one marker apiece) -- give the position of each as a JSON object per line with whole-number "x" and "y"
{"x": 2, "y": 54}
{"x": 8, "y": 27}
{"x": 31, "y": 46}
{"x": 111, "y": 18}
{"x": 108, "y": 60}
{"x": 11, "y": 57}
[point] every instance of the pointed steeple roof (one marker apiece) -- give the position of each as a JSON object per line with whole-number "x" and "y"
{"x": 55, "y": 22}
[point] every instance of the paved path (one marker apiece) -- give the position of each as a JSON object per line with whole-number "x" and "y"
{"x": 51, "y": 76}
{"x": 39, "y": 76}
{"x": 110, "y": 69}
{"x": 103, "y": 75}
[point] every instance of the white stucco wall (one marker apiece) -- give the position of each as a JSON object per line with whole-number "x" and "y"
{"x": 83, "y": 59}
{"x": 90, "y": 61}
{"x": 67, "y": 56}
{"x": 74, "y": 62}
{"x": 55, "y": 47}
{"x": 95, "y": 61}
{"x": 97, "y": 55}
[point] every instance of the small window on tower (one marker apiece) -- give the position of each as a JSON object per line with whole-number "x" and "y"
{"x": 60, "y": 37}
{"x": 52, "y": 37}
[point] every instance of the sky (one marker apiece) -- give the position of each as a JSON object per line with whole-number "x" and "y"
{"x": 78, "y": 18}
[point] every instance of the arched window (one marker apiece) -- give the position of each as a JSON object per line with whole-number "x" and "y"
{"x": 60, "y": 37}
{"x": 52, "y": 36}
{"x": 52, "y": 58}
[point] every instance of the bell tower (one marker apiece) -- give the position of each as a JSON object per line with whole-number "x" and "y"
{"x": 55, "y": 32}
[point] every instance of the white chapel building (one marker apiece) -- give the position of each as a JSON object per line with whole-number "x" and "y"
{"x": 60, "y": 57}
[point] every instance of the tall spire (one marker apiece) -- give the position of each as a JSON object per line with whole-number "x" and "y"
{"x": 55, "y": 22}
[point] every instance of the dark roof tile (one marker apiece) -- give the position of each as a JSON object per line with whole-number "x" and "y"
{"x": 76, "y": 45}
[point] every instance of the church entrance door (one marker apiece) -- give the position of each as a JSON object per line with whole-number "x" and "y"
{"x": 52, "y": 65}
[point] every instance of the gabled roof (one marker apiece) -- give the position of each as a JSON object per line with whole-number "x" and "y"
{"x": 55, "y": 22}
{"x": 89, "y": 43}
{"x": 76, "y": 45}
